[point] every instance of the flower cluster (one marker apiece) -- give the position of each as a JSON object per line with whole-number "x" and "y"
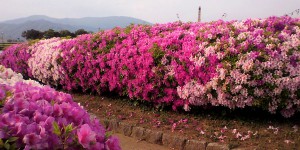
{"x": 254, "y": 62}
{"x": 9, "y": 77}
{"x": 35, "y": 117}
{"x": 43, "y": 63}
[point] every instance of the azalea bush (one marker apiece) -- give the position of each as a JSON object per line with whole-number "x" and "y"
{"x": 259, "y": 66}
{"x": 16, "y": 57}
{"x": 83, "y": 62}
{"x": 43, "y": 63}
{"x": 38, "y": 117}
{"x": 9, "y": 77}
{"x": 254, "y": 63}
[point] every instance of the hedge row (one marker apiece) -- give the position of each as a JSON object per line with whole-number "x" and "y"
{"x": 254, "y": 62}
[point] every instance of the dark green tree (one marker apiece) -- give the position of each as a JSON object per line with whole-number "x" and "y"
{"x": 51, "y": 33}
{"x": 66, "y": 33}
{"x": 32, "y": 34}
{"x": 80, "y": 31}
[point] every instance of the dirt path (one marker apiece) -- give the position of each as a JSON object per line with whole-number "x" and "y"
{"x": 209, "y": 125}
{"x": 128, "y": 143}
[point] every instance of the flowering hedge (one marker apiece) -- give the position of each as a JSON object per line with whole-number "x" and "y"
{"x": 38, "y": 117}
{"x": 43, "y": 63}
{"x": 16, "y": 57}
{"x": 254, "y": 62}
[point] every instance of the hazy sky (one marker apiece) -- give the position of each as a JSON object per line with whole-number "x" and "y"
{"x": 155, "y": 11}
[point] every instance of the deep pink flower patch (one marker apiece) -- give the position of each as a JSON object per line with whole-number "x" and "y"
{"x": 86, "y": 136}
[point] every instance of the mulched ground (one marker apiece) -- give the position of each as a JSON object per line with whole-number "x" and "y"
{"x": 238, "y": 128}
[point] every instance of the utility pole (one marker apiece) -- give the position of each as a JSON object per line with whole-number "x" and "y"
{"x": 199, "y": 14}
{"x": 224, "y": 16}
{"x": 178, "y": 17}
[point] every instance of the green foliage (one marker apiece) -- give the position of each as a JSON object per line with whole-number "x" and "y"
{"x": 285, "y": 94}
{"x": 260, "y": 102}
{"x": 50, "y": 34}
{"x": 157, "y": 54}
{"x": 109, "y": 46}
{"x": 59, "y": 60}
{"x": 69, "y": 129}
{"x": 231, "y": 59}
{"x": 181, "y": 36}
{"x": 32, "y": 34}
{"x": 117, "y": 30}
{"x": 128, "y": 29}
{"x": 7, "y": 94}
{"x": 56, "y": 129}
{"x": 108, "y": 134}
{"x": 52, "y": 102}
{"x": 270, "y": 86}
{"x": 66, "y": 33}
{"x": 63, "y": 133}
{"x": 80, "y": 32}
{"x": 32, "y": 42}
{"x": 9, "y": 144}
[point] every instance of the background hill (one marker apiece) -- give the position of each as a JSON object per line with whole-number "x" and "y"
{"x": 12, "y": 29}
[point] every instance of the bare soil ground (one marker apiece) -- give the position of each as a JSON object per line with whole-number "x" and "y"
{"x": 239, "y": 128}
{"x": 128, "y": 143}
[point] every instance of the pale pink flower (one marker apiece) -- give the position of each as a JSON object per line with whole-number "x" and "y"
{"x": 234, "y": 131}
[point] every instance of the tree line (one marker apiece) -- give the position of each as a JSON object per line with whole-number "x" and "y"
{"x": 35, "y": 34}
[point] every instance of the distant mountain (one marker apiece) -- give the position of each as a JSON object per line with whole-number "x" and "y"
{"x": 12, "y": 29}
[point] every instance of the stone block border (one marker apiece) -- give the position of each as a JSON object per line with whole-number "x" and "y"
{"x": 158, "y": 137}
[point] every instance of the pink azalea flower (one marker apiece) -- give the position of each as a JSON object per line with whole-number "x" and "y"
{"x": 2, "y": 94}
{"x": 32, "y": 139}
{"x": 113, "y": 144}
{"x": 173, "y": 127}
{"x": 86, "y": 137}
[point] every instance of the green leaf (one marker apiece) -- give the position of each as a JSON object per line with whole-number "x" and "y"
{"x": 108, "y": 134}
{"x": 69, "y": 128}
{"x": 135, "y": 103}
{"x": 13, "y": 139}
{"x": 7, "y": 146}
{"x": 1, "y": 143}
{"x": 52, "y": 102}
{"x": 8, "y": 94}
{"x": 13, "y": 146}
{"x": 56, "y": 129}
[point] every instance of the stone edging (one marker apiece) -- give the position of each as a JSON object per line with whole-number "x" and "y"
{"x": 158, "y": 137}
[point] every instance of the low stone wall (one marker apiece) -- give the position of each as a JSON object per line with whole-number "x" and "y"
{"x": 165, "y": 139}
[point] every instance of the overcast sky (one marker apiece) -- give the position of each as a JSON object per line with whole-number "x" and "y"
{"x": 154, "y": 11}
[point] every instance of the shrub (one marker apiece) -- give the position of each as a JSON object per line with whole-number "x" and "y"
{"x": 254, "y": 63}
{"x": 44, "y": 64}
{"x": 16, "y": 57}
{"x": 35, "y": 117}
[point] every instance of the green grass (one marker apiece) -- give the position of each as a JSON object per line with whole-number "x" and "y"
{"x": 4, "y": 45}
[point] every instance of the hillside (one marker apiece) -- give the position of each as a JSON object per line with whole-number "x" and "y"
{"x": 12, "y": 29}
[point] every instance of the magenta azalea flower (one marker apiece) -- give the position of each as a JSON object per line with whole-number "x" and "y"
{"x": 2, "y": 94}
{"x": 113, "y": 144}
{"x": 86, "y": 136}
{"x": 32, "y": 139}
